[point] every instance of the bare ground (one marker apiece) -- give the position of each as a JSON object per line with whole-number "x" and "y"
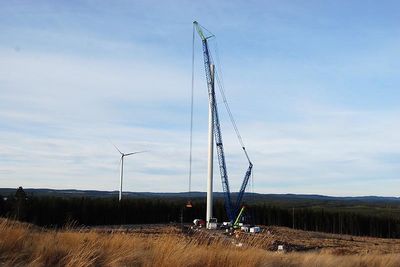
{"x": 273, "y": 236}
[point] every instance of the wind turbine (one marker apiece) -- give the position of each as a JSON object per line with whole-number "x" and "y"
{"x": 122, "y": 168}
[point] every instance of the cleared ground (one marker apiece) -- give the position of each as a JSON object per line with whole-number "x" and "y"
{"x": 271, "y": 237}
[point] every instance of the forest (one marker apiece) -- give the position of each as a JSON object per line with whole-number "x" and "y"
{"x": 55, "y": 212}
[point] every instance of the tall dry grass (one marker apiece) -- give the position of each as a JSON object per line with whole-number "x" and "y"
{"x": 23, "y": 244}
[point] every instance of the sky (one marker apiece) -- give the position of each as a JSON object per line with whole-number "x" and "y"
{"x": 313, "y": 86}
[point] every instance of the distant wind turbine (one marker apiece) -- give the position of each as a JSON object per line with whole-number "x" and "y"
{"x": 122, "y": 167}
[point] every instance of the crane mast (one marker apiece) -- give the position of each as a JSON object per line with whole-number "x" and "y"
{"x": 231, "y": 209}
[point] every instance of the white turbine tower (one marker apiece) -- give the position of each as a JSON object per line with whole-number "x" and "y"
{"x": 122, "y": 168}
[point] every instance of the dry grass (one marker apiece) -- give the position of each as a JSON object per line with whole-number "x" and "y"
{"x": 23, "y": 244}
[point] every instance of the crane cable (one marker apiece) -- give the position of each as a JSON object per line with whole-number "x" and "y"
{"x": 191, "y": 116}
{"x": 220, "y": 83}
{"x": 222, "y": 91}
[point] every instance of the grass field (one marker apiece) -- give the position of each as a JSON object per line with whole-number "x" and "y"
{"x": 24, "y": 244}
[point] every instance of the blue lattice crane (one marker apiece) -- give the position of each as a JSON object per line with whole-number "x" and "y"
{"x": 232, "y": 208}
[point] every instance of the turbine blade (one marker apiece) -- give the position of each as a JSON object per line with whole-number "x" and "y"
{"x": 117, "y": 148}
{"x": 137, "y": 152}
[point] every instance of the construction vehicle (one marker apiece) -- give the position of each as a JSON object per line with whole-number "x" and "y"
{"x": 233, "y": 209}
{"x": 238, "y": 218}
{"x": 226, "y": 225}
{"x": 199, "y": 223}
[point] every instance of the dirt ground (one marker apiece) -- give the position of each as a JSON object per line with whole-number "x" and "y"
{"x": 298, "y": 240}
{"x": 271, "y": 237}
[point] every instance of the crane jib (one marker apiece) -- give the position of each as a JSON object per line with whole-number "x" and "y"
{"x": 231, "y": 209}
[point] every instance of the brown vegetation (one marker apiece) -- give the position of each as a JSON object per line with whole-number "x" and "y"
{"x": 24, "y": 244}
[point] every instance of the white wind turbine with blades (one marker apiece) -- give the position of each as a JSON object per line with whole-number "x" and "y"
{"x": 123, "y": 155}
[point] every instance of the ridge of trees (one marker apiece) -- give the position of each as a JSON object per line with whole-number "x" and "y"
{"x": 51, "y": 211}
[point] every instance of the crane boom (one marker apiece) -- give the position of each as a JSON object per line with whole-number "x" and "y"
{"x": 232, "y": 210}
{"x": 243, "y": 187}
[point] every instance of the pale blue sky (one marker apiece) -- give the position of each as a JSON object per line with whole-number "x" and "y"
{"x": 314, "y": 87}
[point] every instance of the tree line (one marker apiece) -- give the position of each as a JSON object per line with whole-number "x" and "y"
{"x": 58, "y": 211}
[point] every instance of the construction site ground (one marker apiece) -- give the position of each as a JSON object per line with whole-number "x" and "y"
{"x": 270, "y": 238}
